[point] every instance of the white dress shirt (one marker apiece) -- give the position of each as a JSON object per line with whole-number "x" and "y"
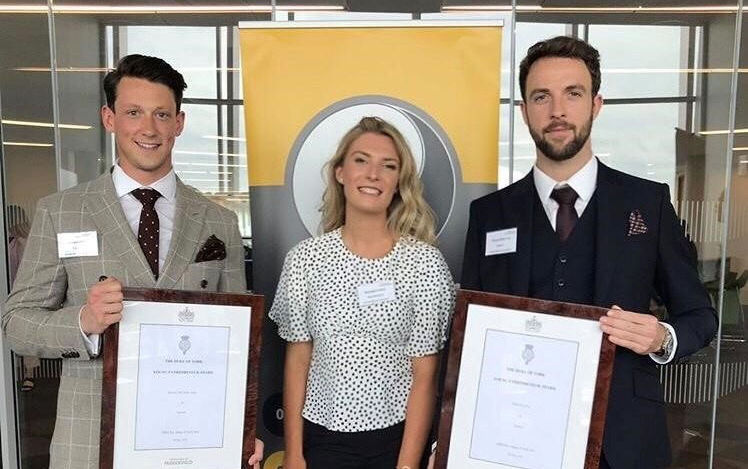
{"x": 584, "y": 183}
{"x": 165, "y": 208}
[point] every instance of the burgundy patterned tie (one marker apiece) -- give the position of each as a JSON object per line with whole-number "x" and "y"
{"x": 566, "y": 217}
{"x": 148, "y": 227}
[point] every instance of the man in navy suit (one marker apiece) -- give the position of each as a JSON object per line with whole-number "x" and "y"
{"x": 586, "y": 233}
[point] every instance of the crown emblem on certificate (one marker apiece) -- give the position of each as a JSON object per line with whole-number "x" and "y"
{"x": 186, "y": 315}
{"x": 528, "y": 353}
{"x": 533, "y": 325}
{"x": 185, "y": 344}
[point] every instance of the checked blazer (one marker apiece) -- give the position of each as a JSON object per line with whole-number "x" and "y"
{"x": 640, "y": 249}
{"x": 41, "y": 316}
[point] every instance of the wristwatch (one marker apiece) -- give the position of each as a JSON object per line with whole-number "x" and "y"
{"x": 667, "y": 344}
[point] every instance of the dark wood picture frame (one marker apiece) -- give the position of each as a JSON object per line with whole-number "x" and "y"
{"x": 457, "y": 337}
{"x": 110, "y": 356}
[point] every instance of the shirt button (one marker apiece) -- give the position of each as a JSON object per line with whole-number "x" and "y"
{"x": 561, "y": 283}
{"x": 562, "y": 258}
{"x": 203, "y": 283}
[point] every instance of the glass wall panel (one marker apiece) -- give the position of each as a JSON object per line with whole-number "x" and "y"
{"x": 629, "y": 73}
{"x": 29, "y": 173}
{"x": 80, "y": 56}
{"x": 731, "y": 426}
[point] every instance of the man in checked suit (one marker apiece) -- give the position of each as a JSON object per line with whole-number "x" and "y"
{"x": 136, "y": 226}
{"x": 586, "y": 233}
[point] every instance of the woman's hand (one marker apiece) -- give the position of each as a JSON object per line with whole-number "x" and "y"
{"x": 257, "y": 456}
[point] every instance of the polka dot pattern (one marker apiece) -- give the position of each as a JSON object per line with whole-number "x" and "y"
{"x": 148, "y": 228}
{"x": 360, "y": 374}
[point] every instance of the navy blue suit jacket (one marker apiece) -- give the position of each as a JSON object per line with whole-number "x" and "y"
{"x": 627, "y": 270}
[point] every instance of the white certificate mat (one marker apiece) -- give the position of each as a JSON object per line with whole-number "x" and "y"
{"x": 181, "y": 384}
{"x": 526, "y": 388}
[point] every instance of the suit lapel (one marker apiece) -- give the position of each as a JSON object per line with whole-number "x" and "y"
{"x": 518, "y": 211}
{"x": 612, "y": 224}
{"x": 106, "y": 212}
{"x": 189, "y": 217}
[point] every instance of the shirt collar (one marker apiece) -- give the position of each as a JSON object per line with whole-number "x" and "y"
{"x": 124, "y": 184}
{"x": 583, "y": 181}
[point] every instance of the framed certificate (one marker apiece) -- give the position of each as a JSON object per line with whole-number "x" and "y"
{"x": 526, "y": 385}
{"x": 180, "y": 381}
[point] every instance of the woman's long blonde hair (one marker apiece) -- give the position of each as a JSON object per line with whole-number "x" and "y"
{"x": 408, "y": 213}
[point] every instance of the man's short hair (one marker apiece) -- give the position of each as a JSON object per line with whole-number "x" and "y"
{"x": 148, "y": 68}
{"x": 562, "y": 46}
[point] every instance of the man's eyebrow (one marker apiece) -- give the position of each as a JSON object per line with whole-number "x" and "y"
{"x": 539, "y": 90}
{"x": 577, "y": 86}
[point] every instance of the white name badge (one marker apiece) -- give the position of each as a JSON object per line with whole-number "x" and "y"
{"x": 377, "y": 292}
{"x": 501, "y": 241}
{"x": 80, "y": 244}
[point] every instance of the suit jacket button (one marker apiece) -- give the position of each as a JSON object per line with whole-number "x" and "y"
{"x": 203, "y": 283}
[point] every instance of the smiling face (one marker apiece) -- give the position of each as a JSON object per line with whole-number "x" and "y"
{"x": 369, "y": 174}
{"x": 145, "y": 123}
{"x": 559, "y": 108}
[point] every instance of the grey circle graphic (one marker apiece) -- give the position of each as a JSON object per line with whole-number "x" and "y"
{"x": 433, "y": 151}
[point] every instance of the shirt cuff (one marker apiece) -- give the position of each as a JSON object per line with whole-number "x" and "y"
{"x": 667, "y": 359}
{"x": 92, "y": 341}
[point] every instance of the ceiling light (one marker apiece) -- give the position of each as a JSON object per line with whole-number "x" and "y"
{"x": 162, "y": 9}
{"x": 199, "y": 180}
{"x": 182, "y": 171}
{"x": 107, "y": 69}
{"x": 540, "y": 9}
{"x": 28, "y": 144}
{"x": 216, "y": 191}
{"x": 209, "y": 153}
{"x": 46, "y": 124}
{"x": 722, "y": 132}
{"x": 221, "y": 137}
{"x": 211, "y": 164}
{"x": 672, "y": 70}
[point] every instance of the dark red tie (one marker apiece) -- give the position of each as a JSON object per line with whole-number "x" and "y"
{"x": 566, "y": 217}
{"x": 148, "y": 227}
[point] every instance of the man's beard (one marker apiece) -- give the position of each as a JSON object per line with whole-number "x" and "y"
{"x": 567, "y": 151}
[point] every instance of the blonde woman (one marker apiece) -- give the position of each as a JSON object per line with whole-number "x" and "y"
{"x": 365, "y": 309}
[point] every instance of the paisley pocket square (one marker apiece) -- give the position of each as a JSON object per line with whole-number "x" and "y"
{"x": 637, "y": 225}
{"x": 212, "y": 250}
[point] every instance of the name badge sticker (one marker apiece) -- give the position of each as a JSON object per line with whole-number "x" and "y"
{"x": 501, "y": 242}
{"x": 81, "y": 244}
{"x": 377, "y": 292}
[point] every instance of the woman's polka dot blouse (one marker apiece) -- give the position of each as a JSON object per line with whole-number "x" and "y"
{"x": 360, "y": 374}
